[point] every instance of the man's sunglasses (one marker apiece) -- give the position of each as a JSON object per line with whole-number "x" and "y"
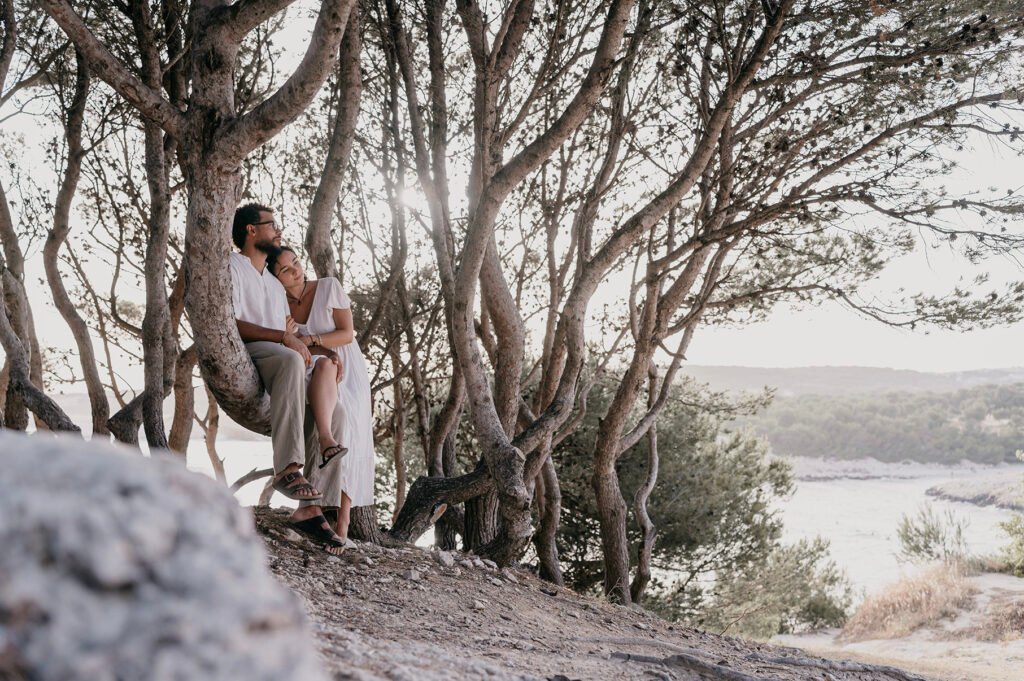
{"x": 277, "y": 227}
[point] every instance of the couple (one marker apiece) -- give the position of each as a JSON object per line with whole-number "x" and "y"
{"x": 299, "y": 334}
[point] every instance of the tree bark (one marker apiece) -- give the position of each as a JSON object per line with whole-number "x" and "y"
{"x": 184, "y": 402}
{"x": 319, "y": 246}
{"x": 647, "y": 529}
{"x": 55, "y": 240}
{"x": 19, "y": 382}
{"x": 550, "y": 517}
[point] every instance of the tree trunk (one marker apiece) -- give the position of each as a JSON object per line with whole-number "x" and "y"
{"x": 481, "y": 521}
{"x": 398, "y": 440}
{"x": 550, "y": 517}
{"x": 184, "y": 402}
{"x": 55, "y": 241}
{"x": 647, "y": 530}
{"x": 20, "y": 383}
{"x": 363, "y": 525}
{"x": 210, "y": 429}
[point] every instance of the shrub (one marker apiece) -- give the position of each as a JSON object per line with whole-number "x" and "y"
{"x": 930, "y": 537}
{"x": 909, "y": 604}
{"x": 797, "y": 589}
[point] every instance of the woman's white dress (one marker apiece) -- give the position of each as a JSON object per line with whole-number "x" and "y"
{"x": 357, "y": 468}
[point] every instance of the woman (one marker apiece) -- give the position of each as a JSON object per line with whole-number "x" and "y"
{"x": 323, "y": 314}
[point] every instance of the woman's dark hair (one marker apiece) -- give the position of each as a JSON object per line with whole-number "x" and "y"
{"x": 274, "y": 253}
{"x": 244, "y": 216}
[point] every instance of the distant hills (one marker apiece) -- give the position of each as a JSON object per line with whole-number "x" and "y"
{"x": 849, "y": 380}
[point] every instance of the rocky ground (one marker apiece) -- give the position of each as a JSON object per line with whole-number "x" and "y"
{"x": 410, "y": 614}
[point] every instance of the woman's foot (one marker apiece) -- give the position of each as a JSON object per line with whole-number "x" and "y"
{"x": 328, "y": 453}
{"x": 311, "y": 522}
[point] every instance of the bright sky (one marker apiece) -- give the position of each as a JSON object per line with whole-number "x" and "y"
{"x": 825, "y": 335}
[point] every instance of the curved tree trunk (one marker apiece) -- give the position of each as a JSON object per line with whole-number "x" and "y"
{"x": 55, "y": 241}
{"x": 319, "y": 245}
{"x": 18, "y": 378}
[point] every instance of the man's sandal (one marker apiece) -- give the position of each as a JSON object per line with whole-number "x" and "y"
{"x": 292, "y": 484}
{"x": 317, "y": 529}
{"x": 328, "y": 453}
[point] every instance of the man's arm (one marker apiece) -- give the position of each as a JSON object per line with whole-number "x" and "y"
{"x": 254, "y": 332}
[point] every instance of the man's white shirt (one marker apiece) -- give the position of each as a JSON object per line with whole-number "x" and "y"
{"x": 257, "y": 297}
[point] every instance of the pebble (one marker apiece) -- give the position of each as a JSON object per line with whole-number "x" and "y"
{"x": 333, "y": 559}
{"x": 292, "y": 535}
{"x": 445, "y": 558}
{"x": 510, "y": 577}
{"x": 490, "y": 563}
{"x": 467, "y": 563}
{"x": 411, "y": 575}
{"x": 478, "y": 563}
{"x": 367, "y": 561}
{"x": 496, "y": 582}
{"x": 478, "y": 605}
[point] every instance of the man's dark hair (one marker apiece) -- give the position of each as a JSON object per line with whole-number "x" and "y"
{"x": 276, "y": 252}
{"x": 245, "y": 216}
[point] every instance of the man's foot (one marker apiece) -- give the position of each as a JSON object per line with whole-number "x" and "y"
{"x": 317, "y": 529}
{"x": 294, "y": 486}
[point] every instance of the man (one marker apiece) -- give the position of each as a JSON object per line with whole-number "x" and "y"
{"x": 281, "y": 358}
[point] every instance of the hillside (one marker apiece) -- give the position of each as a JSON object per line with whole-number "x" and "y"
{"x": 831, "y": 380}
{"x": 399, "y": 613}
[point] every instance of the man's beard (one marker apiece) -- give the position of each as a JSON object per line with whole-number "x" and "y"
{"x": 267, "y": 246}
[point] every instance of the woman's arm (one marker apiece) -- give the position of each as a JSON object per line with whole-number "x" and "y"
{"x": 343, "y": 333}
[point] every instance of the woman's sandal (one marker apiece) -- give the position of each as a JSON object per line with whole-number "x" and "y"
{"x": 335, "y": 450}
{"x": 317, "y": 529}
{"x": 331, "y": 514}
{"x": 289, "y": 485}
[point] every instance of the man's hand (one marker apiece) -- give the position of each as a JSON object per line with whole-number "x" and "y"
{"x": 290, "y": 341}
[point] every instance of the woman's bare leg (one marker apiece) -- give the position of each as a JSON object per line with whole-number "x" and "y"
{"x": 344, "y": 512}
{"x": 323, "y": 395}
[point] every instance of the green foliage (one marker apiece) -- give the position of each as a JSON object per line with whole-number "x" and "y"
{"x": 797, "y": 588}
{"x": 983, "y": 424}
{"x": 1013, "y": 553}
{"x": 930, "y": 536}
{"x": 715, "y": 517}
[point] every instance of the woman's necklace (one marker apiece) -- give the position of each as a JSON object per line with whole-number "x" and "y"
{"x": 298, "y": 301}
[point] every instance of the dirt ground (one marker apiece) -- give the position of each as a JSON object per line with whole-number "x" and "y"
{"x": 410, "y": 614}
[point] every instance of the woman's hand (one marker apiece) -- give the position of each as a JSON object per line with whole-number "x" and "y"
{"x": 291, "y": 326}
{"x": 337, "y": 365}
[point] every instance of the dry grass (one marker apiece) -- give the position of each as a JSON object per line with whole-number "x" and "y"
{"x": 1004, "y": 622}
{"x": 909, "y": 604}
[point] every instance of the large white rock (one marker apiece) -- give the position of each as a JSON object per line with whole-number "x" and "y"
{"x": 116, "y": 566}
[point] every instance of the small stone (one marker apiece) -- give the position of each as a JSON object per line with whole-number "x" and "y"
{"x": 468, "y": 564}
{"x": 497, "y": 582}
{"x": 490, "y": 563}
{"x": 445, "y": 558}
{"x": 478, "y": 605}
{"x": 478, "y": 563}
{"x": 510, "y": 577}
{"x": 641, "y": 626}
{"x": 292, "y": 535}
{"x": 367, "y": 561}
{"x": 411, "y": 575}
{"x": 333, "y": 559}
